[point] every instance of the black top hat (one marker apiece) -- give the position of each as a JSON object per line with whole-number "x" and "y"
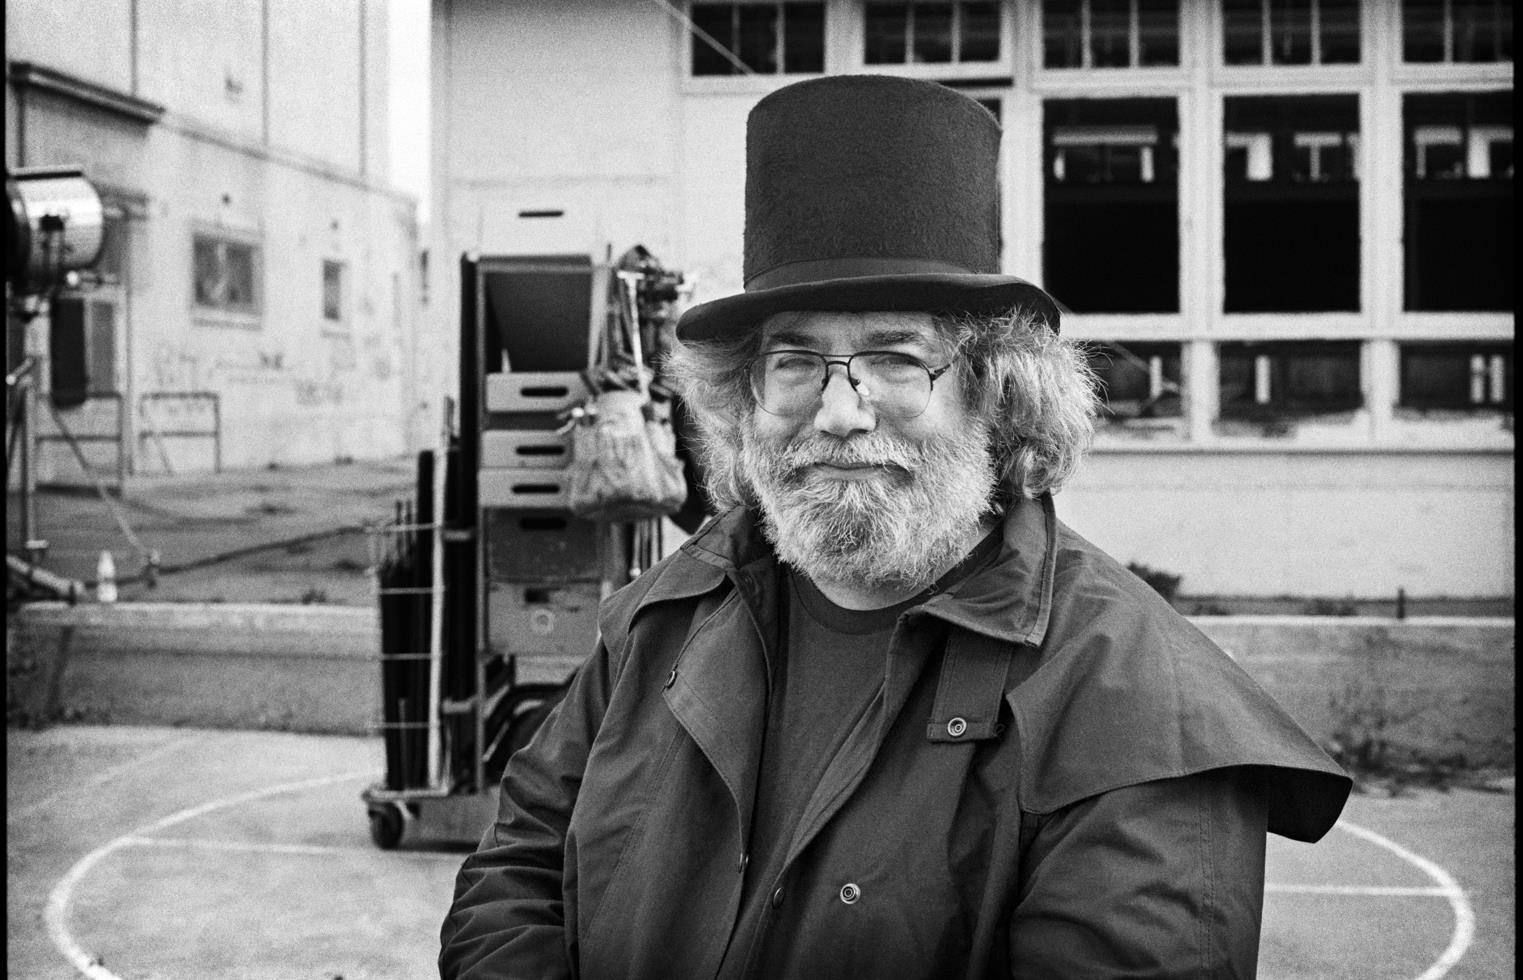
{"x": 869, "y": 192}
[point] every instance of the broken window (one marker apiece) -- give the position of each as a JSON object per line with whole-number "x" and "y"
{"x": 1444, "y": 31}
{"x": 1270, "y": 380}
{"x": 931, "y": 33}
{"x": 1290, "y": 32}
{"x": 1458, "y": 233}
{"x": 1137, "y": 380}
{"x": 1112, "y": 204}
{"x": 1292, "y": 204}
{"x": 1467, "y": 377}
{"x": 760, "y": 38}
{"x": 1110, "y": 33}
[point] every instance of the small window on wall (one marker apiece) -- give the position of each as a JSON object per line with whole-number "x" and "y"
{"x": 1464, "y": 377}
{"x": 1292, "y": 204}
{"x": 921, "y": 33}
{"x": 1458, "y": 232}
{"x": 225, "y": 274}
{"x": 1271, "y": 380}
{"x": 333, "y": 292}
{"x": 758, "y": 38}
{"x": 1112, "y": 204}
{"x": 1110, "y": 33}
{"x": 1138, "y": 380}
{"x": 1449, "y": 31}
{"x": 1290, "y": 32}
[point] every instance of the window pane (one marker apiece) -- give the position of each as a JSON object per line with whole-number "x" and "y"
{"x": 102, "y": 348}
{"x": 804, "y": 40}
{"x": 1158, "y": 32}
{"x": 333, "y": 291}
{"x": 1340, "y": 31}
{"x": 932, "y": 29}
{"x": 886, "y": 26}
{"x": 1110, "y": 33}
{"x": 1422, "y": 30}
{"x": 223, "y": 274}
{"x": 1138, "y": 380}
{"x": 1291, "y": 204}
{"x": 1290, "y": 32}
{"x": 1061, "y": 36}
{"x": 1112, "y": 203}
{"x": 980, "y": 32}
{"x": 1242, "y": 32}
{"x": 1477, "y": 31}
{"x": 1303, "y": 378}
{"x": 758, "y": 38}
{"x": 714, "y": 20}
{"x": 1458, "y": 223}
{"x": 1322, "y": 377}
{"x": 1457, "y": 376}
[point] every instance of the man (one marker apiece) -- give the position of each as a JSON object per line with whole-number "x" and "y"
{"x": 885, "y": 716}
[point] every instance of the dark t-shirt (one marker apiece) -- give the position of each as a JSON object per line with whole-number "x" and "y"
{"x": 831, "y": 665}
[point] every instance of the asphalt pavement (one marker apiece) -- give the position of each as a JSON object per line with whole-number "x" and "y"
{"x": 291, "y": 535}
{"x": 155, "y": 852}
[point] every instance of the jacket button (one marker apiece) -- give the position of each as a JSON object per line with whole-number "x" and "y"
{"x": 670, "y": 679}
{"x": 745, "y": 859}
{"x": 777, "y": 897}
{"x": 850, "y": 893}
{"x": 956, "y": 727}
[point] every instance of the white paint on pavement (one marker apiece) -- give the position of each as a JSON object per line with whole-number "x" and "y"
{"x": 1464, "y": 916}
{"x": 300, "y": 850}
{"x": 56, "y": 914}
{"x": 100, "y": 778}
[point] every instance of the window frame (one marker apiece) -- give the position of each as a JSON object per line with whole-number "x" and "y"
{"x": 1447, "y": 42}
{"x": 229, "y": 314}
{"x": 755, "y": 79}
{"x": 1086, "y": 67}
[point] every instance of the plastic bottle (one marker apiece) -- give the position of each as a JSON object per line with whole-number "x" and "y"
{"x": 105, "y": 578}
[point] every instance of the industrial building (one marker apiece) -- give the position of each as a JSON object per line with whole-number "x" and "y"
{"x": 256, "y": 301}
{"x": 1285, "y": 228}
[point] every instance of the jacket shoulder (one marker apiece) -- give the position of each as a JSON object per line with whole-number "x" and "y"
{"x": 1126, "y": 691}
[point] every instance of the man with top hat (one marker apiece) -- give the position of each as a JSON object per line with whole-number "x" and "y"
{"x": 884, "y": 715}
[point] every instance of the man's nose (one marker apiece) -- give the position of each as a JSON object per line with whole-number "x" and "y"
{"x": 843, "y": 411}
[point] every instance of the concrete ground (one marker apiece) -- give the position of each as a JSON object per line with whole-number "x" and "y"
{"x": 138, "y": 852}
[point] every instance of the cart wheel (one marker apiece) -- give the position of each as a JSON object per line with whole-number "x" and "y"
{"x": 386, "y": 826}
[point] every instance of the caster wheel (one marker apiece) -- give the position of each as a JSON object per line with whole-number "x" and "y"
{"x": 386, "y": 826}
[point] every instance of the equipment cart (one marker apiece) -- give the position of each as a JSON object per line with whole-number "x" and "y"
{"x": 489, "y": 587}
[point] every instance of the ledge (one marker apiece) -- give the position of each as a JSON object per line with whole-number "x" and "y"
{"x": 25, "y": 74}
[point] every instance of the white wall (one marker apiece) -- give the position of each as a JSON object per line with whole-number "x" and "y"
{"x": 1337, "y": 524}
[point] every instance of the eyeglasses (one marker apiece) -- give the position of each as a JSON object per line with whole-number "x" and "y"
{"x": 792, "y": 382}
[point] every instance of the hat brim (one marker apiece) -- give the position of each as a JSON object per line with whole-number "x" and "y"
{"x": 918, "y": 292}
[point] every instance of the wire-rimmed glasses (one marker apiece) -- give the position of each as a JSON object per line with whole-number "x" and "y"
{"x": 792, "y": 382}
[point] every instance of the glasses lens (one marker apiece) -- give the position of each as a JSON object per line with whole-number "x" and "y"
{"x": 791, "y": 382}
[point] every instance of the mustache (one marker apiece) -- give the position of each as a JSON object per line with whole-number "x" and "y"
{"x": 869, "y": 450}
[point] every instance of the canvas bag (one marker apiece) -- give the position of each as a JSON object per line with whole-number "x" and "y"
{"x": 624, "y": 464}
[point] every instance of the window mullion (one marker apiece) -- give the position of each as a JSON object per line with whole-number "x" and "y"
{"x": 1266, "y": 35}
{"x": 956, "y": 32}
{"x": 782, "y": 39}
{"x": 1086, "y": 60}
{"x": 1448, "y": 31}
{"x": 1316, "y": 32}
{"x": 1133, "y": 41}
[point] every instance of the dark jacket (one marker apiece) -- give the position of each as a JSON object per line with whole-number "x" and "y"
{"x": 1060, "y": 777}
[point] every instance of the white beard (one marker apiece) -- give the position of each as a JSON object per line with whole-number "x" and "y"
{"x": 898, "y": 529}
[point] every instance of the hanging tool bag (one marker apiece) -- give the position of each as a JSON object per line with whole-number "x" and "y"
{"x": 624, "y": 464}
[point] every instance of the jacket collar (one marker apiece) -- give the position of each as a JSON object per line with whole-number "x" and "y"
{"x": 1009, "y": 600}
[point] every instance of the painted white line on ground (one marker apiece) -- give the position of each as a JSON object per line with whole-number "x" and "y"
{"x": 1464, "y": 916}
{"x": 302, "y": 850}
{"x": 104, "y": 776}
{"x": 1378, "y": 890}
{"x": 57, "y": 912}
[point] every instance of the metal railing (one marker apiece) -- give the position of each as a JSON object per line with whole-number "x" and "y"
{"x": 158, "y": 435}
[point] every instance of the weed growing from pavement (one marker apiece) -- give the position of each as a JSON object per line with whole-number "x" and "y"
{"x": 1365, "y": 741}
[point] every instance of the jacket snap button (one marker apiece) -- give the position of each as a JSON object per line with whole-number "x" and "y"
{"x": 777, "y": 897}
{"x": 745, "y": 859}
{"x": 670, "y": 680}
{"x": 956, "y": 727}
{"x": 850, "y": 893}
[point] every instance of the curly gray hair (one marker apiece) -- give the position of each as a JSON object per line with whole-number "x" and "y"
{"x": 1036, "y": 390}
